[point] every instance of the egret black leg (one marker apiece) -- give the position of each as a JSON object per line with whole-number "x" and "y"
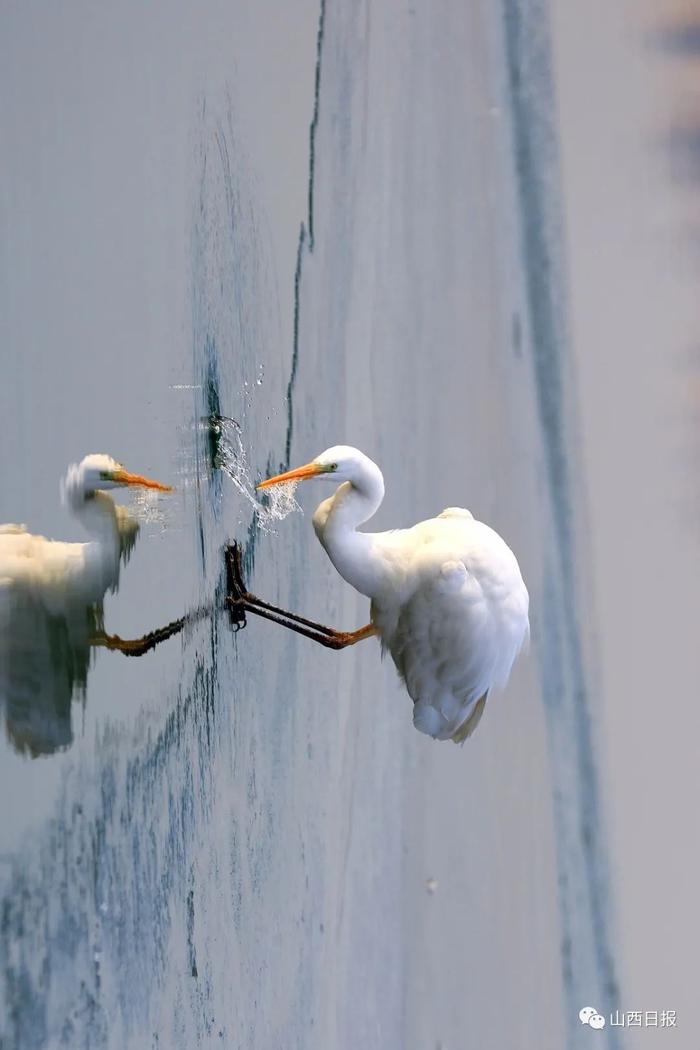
{"x": 239, "y": 595}
{"x": 240, "y": 601}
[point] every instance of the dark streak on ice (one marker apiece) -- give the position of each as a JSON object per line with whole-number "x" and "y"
{"x": 303, "y": 237}
{"x": 314, "y": 121}
{"x": 580, "y": 837}
{"x": 295, "y": 352}
{"x": 192, "y": 956}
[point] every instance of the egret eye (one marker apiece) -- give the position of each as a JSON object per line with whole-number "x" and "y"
{"x": 334, "y": 466}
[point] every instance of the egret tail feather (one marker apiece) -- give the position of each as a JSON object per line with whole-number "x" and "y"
{"x": 467, "y": 728}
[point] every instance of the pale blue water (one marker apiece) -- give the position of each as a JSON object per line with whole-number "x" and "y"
{"x": 234, "y": 850}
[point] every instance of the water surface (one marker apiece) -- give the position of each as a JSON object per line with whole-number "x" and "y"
{"x": 230, "y": 242}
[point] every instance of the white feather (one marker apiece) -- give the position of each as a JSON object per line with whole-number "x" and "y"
{"x": 448, "y": 599}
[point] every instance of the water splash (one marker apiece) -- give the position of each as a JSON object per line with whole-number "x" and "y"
{"x": 148, "y": 510}
{"x": 279, "y": 502}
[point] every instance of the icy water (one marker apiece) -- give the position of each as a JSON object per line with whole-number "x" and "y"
{"x": 230, "y": 241}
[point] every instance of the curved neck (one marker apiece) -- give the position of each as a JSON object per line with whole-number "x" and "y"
{"x": 97, "y": 512}
{"x": 353, "y": 504}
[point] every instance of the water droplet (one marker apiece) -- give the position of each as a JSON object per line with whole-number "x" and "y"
{"x": 233, "y": 460}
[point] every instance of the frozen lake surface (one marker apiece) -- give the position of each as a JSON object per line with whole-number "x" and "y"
{"x": 330, "y": 225}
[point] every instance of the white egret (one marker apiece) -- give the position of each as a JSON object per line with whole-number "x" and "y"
{"x": 447, "y": 597}
{"x": 59, "y": 572}
{"x": 51, "y": 602}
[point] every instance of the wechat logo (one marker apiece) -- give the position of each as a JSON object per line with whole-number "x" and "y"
{"x": 590, "y": 1016}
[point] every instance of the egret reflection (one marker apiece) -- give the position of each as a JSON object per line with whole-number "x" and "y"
{"x": 51, "y": 605}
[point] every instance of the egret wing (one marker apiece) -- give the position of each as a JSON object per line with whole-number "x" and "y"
{"x": 444, "y": 647}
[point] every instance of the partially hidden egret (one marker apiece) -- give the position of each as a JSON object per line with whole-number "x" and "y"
{"x": 51, "y": 604}
{"x": 447, "y": 597}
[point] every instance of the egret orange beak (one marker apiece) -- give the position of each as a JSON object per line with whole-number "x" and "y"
{"x": 310, "y": 470}
{"x": 123, "y": 477}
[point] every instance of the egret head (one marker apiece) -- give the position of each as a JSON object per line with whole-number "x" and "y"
{"x": 98, "y": 472}
{"x": 339, "y": 463}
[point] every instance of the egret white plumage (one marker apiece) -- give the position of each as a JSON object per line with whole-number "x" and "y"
{"x": 57, "y": 572}
{"x": 447, "y": 597}
{"x": 51, "y": 596}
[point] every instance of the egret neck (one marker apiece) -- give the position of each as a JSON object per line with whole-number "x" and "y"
{"x": 97, "y": 513}
{"x": 336, "y": 521}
